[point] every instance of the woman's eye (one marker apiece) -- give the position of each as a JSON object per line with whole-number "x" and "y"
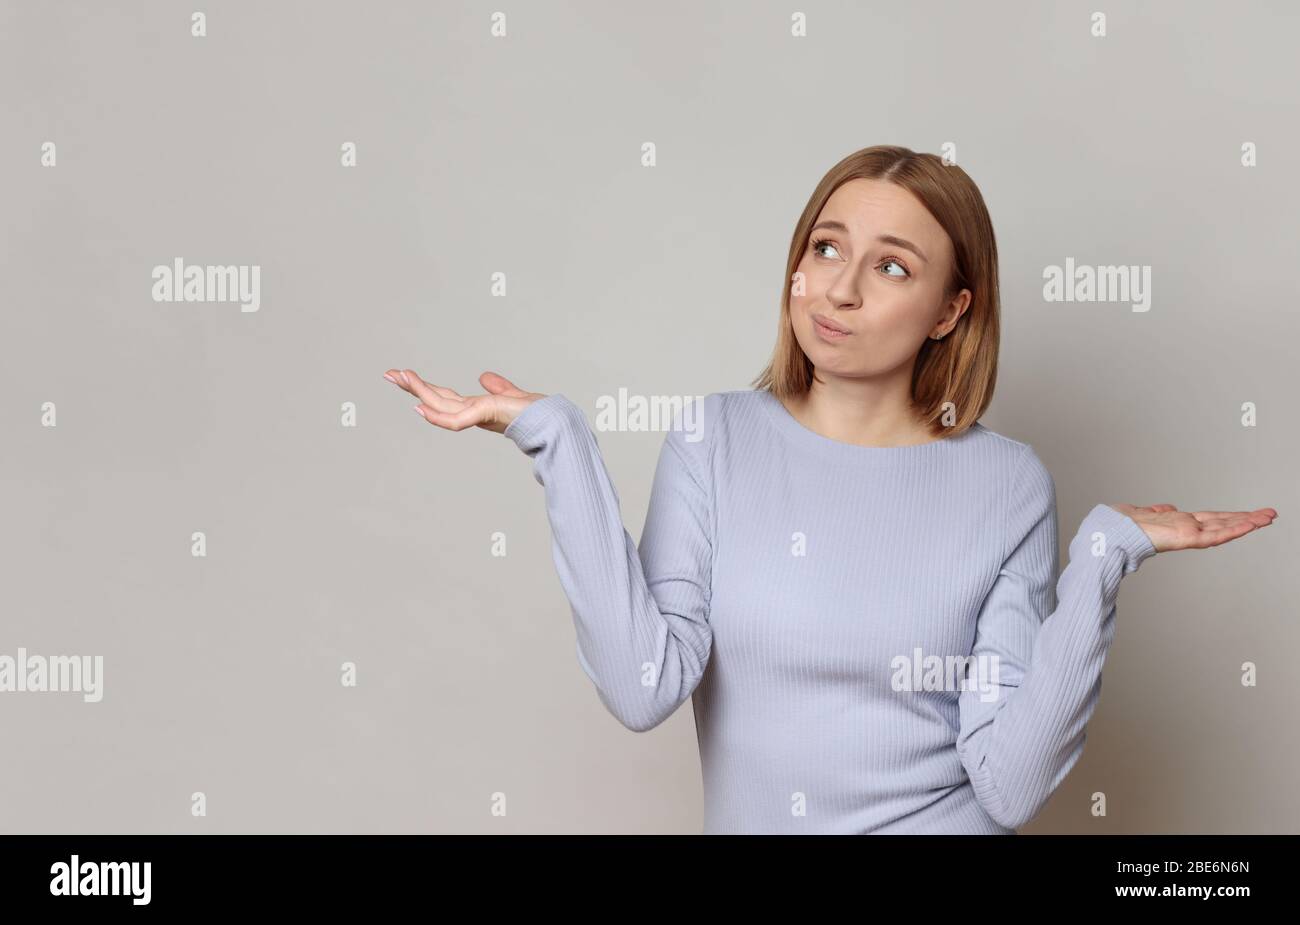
{"x": 818, "y": 245}
{"x": 897, "y": 264}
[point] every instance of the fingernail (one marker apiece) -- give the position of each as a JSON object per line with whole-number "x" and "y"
{"x": 391, "y": 378}
{"x": 419, "y": 411}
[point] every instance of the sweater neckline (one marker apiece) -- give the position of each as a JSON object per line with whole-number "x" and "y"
{"x": 837, "y": 450}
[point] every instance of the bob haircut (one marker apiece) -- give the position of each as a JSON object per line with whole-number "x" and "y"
{"x": 961, "y": 367}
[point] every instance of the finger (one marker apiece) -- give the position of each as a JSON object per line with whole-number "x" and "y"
{"x": 500, "y": 385}
{"x": 1215, "y": 536}
{"x": 1261, "y": 517}
{"x": 441, "y": 403}
{"x": 467, "y": 416}
{"x": 406, "y": 379}
{"x": 1219, "y": 530}
{"x": 426, "y": 391}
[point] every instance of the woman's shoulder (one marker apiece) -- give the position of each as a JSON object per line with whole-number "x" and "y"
{"x": 700, "y": 424}
{"x": 698, "y": 415}
{"x": 989, "y": 439}
{"x": 1024, "y": 469}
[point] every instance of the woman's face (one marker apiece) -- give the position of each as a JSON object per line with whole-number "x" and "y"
{"x": 875, "y": 266}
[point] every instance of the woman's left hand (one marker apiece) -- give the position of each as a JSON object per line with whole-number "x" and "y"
{"x": 1169, "y": 528}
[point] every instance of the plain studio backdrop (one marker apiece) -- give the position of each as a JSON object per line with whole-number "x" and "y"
{"x": 522, "y": 154}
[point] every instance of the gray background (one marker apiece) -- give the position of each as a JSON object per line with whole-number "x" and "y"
{"x": 521, "y": 155}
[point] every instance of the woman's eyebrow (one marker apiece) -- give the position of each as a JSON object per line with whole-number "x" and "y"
{"x": 884, "y": 238}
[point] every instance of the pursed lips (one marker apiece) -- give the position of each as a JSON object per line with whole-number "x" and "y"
{"x": 830, "y": 325}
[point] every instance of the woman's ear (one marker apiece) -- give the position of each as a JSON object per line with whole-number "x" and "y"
{"x": 956, "y": 307}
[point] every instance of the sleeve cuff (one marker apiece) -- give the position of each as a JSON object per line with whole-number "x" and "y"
{"x": 535, "y": 419}
{"x": 1120, "y": 531}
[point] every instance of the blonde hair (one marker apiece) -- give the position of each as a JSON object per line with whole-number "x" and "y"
{"x": 962, "y": 367}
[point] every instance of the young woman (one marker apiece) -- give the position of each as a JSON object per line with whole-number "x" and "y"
{"x": 855, "y": 579}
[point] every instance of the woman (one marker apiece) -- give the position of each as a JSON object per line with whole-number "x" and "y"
{"x": 855, "y": 578}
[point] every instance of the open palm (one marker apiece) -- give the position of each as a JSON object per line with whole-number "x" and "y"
{"x": 449, "y": 409}
{"x": 1169, "y": 528}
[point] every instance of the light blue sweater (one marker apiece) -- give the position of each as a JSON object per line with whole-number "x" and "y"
{"x": 871, "y": 634}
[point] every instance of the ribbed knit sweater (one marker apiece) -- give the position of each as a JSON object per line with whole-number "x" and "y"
{"x": 874, "y": 638}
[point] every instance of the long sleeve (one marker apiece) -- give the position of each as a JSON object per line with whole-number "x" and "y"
{"x": 1019, "y": 745}
{"x": 643, "y": 635}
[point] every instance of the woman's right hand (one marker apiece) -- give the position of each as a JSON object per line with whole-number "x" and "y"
{"x": 448, "y": 408}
